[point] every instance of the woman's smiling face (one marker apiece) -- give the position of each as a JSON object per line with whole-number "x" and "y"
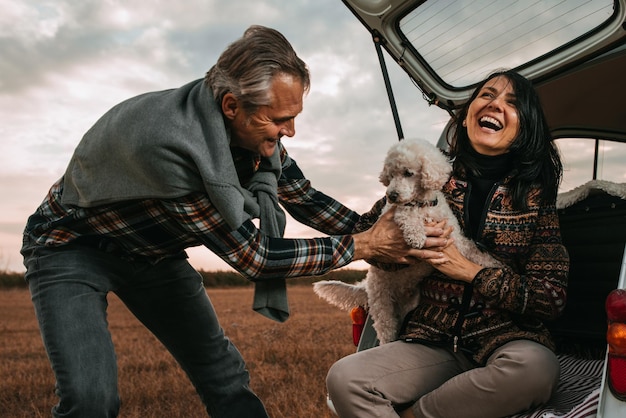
{"x": 492, "y": 120}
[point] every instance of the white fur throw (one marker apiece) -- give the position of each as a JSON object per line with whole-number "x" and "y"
{"x": 567, "y": 199}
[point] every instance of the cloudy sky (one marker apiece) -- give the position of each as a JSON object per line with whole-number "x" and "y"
{"x": 65, "y": 62}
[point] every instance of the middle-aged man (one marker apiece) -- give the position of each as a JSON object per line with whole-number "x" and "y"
{"x": 165, "y": 171}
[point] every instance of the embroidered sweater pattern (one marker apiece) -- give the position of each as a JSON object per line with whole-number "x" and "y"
{"x": 502, "y": 304}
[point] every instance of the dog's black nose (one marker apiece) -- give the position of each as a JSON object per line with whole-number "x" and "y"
{"x": 392, "y": 197}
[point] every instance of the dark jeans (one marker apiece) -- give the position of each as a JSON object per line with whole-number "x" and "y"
{"x": 69, "y": 287}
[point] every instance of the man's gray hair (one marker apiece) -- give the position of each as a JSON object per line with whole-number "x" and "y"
{"x": 247, "y": 66}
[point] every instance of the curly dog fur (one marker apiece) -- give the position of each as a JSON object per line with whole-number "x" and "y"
{"x": 414, "y": 172}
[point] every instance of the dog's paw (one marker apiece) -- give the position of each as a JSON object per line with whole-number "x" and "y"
{"x": 412, "y": 226}
{"x": 415, "y": 241}
{"x": 414, "y": 235}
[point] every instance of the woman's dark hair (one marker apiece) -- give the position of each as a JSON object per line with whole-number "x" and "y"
{"x": 535, "y": 158}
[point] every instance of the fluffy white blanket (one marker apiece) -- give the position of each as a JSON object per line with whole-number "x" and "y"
{"x": 567, "y": 199}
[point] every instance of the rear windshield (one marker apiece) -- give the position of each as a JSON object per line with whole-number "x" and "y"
{"x": 463, "y": 40}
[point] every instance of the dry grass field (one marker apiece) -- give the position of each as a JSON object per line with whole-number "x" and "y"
{"x": 288, "y": 362}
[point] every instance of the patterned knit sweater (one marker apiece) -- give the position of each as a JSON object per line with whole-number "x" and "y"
{"x": 502, "y": 304}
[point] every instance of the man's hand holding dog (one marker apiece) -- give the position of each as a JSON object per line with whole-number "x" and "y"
{"x": 384, "y": 242}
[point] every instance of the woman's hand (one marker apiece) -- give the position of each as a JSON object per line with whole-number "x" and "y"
{"x": 447, "y": 258}
{"x": 454, "y": 265}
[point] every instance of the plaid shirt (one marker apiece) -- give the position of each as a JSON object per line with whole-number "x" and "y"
{"x": 158, "y": 228}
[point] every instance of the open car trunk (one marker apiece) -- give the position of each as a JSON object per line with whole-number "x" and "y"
{"x": 593, "y": 227}
{"x": 575, "y": 54}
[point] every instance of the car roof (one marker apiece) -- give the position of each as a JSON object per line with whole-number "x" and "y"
{"x": 574, "y": 51}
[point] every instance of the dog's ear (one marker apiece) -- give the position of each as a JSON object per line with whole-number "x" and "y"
{"x": 384, "y": 177}
{"x": 390, "y": 163}
{"x": 437, "y": 170}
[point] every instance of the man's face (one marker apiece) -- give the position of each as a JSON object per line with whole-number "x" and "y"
{"x": 260, "y": 131}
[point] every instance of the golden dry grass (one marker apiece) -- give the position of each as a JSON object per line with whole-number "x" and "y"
{"x": 288, "y": 362}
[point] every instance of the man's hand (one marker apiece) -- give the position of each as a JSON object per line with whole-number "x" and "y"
{"x": 385, "y": 242}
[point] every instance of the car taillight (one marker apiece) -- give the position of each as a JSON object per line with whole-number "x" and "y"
{"x": 358, "y": 316}
{"x": 616, "y": 339}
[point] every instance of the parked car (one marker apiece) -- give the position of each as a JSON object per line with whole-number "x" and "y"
{"x": 575, "y": 53}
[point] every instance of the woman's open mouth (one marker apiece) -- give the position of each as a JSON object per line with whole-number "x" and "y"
{"x": 490, "y": 123}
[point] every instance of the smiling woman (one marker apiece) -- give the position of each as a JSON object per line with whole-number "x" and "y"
{"x": 492, "y": 118}
{"x": 476, "y": 344}
{"x": 576, "y": 64}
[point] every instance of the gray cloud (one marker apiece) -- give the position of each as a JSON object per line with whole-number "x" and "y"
{"x": 66, "y": 62}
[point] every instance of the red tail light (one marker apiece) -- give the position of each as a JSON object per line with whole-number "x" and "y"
{"x": 358, "y": 316}
{"x": 616, "y": 339}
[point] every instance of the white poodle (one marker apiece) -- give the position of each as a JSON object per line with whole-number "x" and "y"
{"x": 414, "y": 172}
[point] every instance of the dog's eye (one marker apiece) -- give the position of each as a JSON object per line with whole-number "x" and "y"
{"x": 408, "y": 173}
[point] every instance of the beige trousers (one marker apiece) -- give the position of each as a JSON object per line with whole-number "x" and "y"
{"x": 437, "y": 383}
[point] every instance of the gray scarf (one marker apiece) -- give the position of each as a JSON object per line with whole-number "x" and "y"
{"x": 165, "y": 145}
